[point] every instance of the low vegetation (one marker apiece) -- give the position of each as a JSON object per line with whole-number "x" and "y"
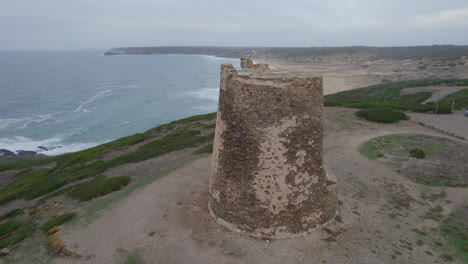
{"x": 449, "y": 238}
{"x": 82, "y": 177}
{"x": 460, "y": 98}
{"x": 443, "y": 164}
{"x": 134, "y": 257}
{"x": 57, "y": 221}
{"x": 205, "y": 149}
{"x": 417, "y": 153}
{"x": 388, "y": 95}
{"x": 382, "y": 114}
{"x": 172, "y": 142}
{"x": 389, "y": 91}
{"x": 14, "y": 231}
{"x": 99, "y": 186}
{"x": 12, "y": 214}
{"x": 31, "y": 182}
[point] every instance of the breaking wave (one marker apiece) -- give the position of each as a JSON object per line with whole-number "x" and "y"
{"x": 50, "y": 147}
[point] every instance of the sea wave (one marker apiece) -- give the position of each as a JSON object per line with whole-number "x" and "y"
{"x": 50, "y": 147}
{"x": 15, "y": 124}
{"x": 108, "y": 91}
{"x": 211, "y": 57}
{"x": 36, "y": 119}
{"x": 207, "y": 93}
{"x": 81, "y": 107}
{"x": 4, "y": 123}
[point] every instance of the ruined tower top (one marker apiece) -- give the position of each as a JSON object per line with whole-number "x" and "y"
{"x": 248, "y": 65}
{"x": 261, "y": 73}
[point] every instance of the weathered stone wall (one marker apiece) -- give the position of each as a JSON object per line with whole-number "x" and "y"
{"x": 248, "y": 65}
{"x": 267, "y": 174}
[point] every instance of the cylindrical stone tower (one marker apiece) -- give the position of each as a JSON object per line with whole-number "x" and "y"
{"x": 267, "y": 175}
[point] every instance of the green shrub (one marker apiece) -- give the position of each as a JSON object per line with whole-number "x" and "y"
{"x": 9, "y": 227}
{"x": 364, "y": 105}
{"x": 25, "y": 163}
{"x": 99, "y": 186}
{"x": 423, "y": 108}
{"x": 382, "y": 114}
{"x": 443, "y": 109}
{"x": 388, "y": 91}
{"x": 205, "y": 149}
{"x": 12, "y": 214}
{"x": 332, "y": 103}
{"x": 134, "y": 257}
{"x": 193, "y": 118}
{"x": 17, "y": 235}
{"x": 210, "y": 126}
{"x": 410, "y": 99}
{"x": 417, "y": 153}
{"x": 460, "y": 98}
{"x": 430, "y": 107}
{"x": 57, "y": 221}
{"x": 162, "y": 146}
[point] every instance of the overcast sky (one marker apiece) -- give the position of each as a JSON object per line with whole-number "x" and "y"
{"x": 83, "y": 24}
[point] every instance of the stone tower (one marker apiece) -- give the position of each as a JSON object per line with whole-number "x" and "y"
{"x": 267, "y": 175}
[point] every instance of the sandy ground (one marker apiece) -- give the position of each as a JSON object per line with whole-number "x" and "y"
{"x": 168, "y": 219}
{"x": 341, "y": 73}
{"x": 337, "y": 77}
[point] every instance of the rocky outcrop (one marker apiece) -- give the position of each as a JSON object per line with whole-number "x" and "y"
{"x": 7, "y": 153}
{"x": 24, "y": 153}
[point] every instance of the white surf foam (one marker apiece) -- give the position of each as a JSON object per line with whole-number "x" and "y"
{"x": 4, "y": 123}
{"x": 211, "y": 57}
{"x": 55, "y": 146}
{"x": 36, "y": 119}
{"x": 207, "y": 93}
{"x": 22, "y": 123}
{"x": 109, "y": 89}
{"x": 81, "y": 107}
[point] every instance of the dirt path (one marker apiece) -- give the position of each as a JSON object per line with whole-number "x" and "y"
{"x": 168, "y": 219}
{"x": 454, "y": 123}
{"x": 442, "y": 93}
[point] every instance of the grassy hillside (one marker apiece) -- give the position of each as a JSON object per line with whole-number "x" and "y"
{"x": 83, "y": 176}
{"x": 388, "y": 94}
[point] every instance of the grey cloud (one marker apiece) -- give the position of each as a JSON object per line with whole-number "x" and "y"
{"x": 107, "y": 23}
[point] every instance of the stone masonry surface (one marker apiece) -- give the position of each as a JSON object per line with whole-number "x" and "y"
{"x": 267, "y": 177}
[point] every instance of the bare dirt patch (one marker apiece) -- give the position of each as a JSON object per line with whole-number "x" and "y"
{"x": 344, "y": 72}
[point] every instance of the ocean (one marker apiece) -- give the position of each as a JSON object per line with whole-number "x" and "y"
{"x": 54, "y": 102}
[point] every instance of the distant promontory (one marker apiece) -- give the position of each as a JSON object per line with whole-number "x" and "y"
{"x": 299, "y": 53}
